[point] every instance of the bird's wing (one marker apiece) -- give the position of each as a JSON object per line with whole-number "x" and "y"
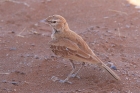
{"x": 74, "y": 37}
{"x": 65, "y": 47}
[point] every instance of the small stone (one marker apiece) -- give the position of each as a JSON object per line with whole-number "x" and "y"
{"x": 54, "y": 78}
{"x": 19, "y": 72}
{"x": 21, "y": 56}
{"x": 134, "y": 66}
{"x": 126, "y": 78}
{"x": 112, "y": 45}
{"x": 32, "y": 44}
{"x": 4, "y": 81}
{"x": 13, "y": 32}
{"x": 91, "y": 28}
{"x": 106, "y": 17}
{"x": 36, "y": 57}
{"x": 14, "y": 83}
{"x": 127, "y": 26}
{"x": 36, "y": 24}
{"x": 7, "y": 54}
{"x": 46, "y": 58}
{"x": 112, "y": 66}
{"x": 28, "y": 55}
{"x": 78, "y": 90}
{"x": 97, "y": 27}
{"x": 2, "y": 20}
{"x": 13, "y": 49}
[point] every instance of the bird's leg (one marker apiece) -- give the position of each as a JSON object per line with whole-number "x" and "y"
{"x": 70, "y": 74}
{"x": 75, "y": 74}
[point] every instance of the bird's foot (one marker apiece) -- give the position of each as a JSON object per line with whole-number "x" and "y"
{"x": 75, "y": 76}
{"x": 65, "y": 81}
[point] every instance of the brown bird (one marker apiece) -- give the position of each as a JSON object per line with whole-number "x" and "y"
{"x": 66, "y": 43}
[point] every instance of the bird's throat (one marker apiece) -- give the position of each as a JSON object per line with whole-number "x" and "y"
{"x": 56, "y": 31}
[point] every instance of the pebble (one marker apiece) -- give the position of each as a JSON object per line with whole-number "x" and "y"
{"x": 54, "y": 78}
{"x": 13, "y": 32}
{"x": 7, "y": 54}
{"x": 19, "y": 72}
{"x": 112, "y": 66}
{"x": 97, "y": 26}
{"x": 106, "y": 17}
{"x": 36, "y": 57}
{"x": 91, "y": 28}
{"x": 126, "y": 78}
{"x": 78, "y": 90}
{"x": 127, "y": 26}
{"x": 28, "y": 55}
{"x": 4, "y": 81}
{"x": 15, "y": 90}
{"x": 14, "y": 83}
{"x": 32, "y": 44}
{"x": 36, "y": 24}
{"x": 13, "y": 49}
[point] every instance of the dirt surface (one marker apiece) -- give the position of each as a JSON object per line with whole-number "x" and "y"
{"x": 110, "y": 27}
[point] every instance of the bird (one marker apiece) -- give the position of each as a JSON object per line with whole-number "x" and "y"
{"x": 68, "y": 44}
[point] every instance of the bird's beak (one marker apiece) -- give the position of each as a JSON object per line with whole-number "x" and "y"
{"x": 44, "y": 21}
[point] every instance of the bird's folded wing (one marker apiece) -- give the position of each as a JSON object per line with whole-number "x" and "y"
{"x": 66, "y": 47}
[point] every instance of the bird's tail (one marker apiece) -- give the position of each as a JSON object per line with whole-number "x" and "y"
{"x": 110, "y": 71}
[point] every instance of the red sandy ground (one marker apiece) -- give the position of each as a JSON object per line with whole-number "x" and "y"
{"x": 110, "y": 27}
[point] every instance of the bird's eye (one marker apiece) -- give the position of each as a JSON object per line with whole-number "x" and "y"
{"x": 53, "y": 21}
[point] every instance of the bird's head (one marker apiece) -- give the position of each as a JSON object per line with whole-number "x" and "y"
{"x": 57, "y": 22}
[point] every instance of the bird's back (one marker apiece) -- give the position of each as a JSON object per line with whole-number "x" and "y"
{"x": 74, "y": 37}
